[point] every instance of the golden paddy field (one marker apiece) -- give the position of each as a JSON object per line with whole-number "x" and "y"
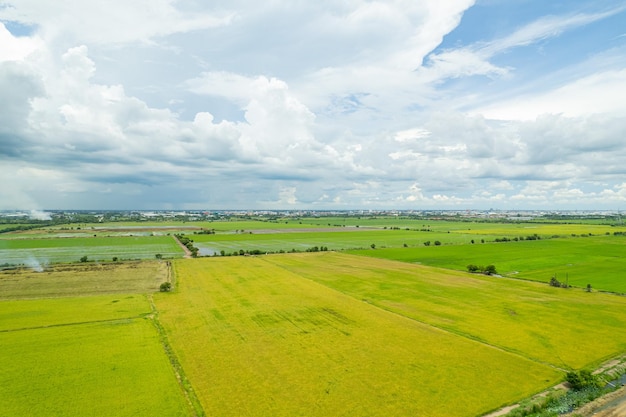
{"x": 333, "y": 334}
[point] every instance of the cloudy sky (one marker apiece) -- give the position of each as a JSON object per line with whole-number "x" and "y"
{"x": 281, "y": 104}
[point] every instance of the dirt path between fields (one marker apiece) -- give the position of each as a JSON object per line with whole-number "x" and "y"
{"x": 187, "y": 251}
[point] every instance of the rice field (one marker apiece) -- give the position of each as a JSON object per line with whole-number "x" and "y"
{"x": 38, "y": 252}
{"x": 596, "y": 260}
{"x": 256, "y": 338}
{"x": 312, "y": 334}
{"x": 569, "y": 329}
{"x": 39, "y": 313}
{"x": 68, "y": 352}
{"x": 83, "y": 279}
{"x": 114, "y": 368}
{"x": 334, "y": 240}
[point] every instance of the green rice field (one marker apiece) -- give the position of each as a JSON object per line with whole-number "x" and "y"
{"x": 597, "y": 260}
{"x": 85, "y": 356}
{"x": 334, "y": 240}
{"x": 112, "y": 368}
{"x": 38, "y": 252}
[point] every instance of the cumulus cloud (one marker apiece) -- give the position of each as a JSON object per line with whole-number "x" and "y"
{"x": 323, "y": 104}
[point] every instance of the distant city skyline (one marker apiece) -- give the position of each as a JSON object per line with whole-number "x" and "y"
{"x": 430, "y": 105}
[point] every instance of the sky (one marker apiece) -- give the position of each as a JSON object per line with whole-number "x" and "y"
{"x": 321, "y": 105}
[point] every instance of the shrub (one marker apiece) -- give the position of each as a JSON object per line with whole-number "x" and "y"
{"x": 555, "y": 282}
{"x": 582, "y": 379}
{"x": 165, "y": 287}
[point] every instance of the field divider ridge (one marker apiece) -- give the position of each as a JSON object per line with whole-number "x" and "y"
{"x": 77, "y": 323}
{"x": 183, "y": 382}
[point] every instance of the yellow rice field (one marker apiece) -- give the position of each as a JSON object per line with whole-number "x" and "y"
{"x": 255, "y": 339}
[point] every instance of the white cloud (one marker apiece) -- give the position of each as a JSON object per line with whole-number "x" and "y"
{"x": 313, "y": 104}
{"x": 16, "y": 48}
{"x": 601, "y": 92}
{"x": 108, "y": 21}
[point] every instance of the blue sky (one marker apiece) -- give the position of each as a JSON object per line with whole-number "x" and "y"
{"x": 164, "y": 104}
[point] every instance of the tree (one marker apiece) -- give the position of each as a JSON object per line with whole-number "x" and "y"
{"x": 427, "y": 243}
{"x": 83, "y": 258}
{"x": 588, "y": 287}
{"x": 165, "y": 287}
{"x": 437, "y": 243}
{"x": 158, "y": 256}
{"x": 472, "y": 268}
{"x": 490, "y": 270}
{"x": 373, "y": 246}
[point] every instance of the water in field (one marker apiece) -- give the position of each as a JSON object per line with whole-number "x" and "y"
{"x": 207, "y": 251}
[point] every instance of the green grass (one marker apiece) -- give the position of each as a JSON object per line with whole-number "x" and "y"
{"x": 54, "y": 250}
{"x": 115, "y": 368}
{"x": 256, "y": 339}
{"x": 598, "y": 260}
{"x": 566, "y": 328}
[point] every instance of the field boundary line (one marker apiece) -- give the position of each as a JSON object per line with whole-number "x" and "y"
{"x": 77, "y": 323}
{"x": 185, "y": 385}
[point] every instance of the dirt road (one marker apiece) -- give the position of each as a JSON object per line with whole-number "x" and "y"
{"x": 187, "y": 251}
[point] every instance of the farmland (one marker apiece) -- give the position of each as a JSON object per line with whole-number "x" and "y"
{"x": 393, "y": 328}
{"x": 530, "y": 319}
{"x": 301, "y": 241}
{"x": 597, "y": 260}
{"x": 37, "y": 252}
{"x": 80, "y": 280}
{"x": 247, "y": 331}
{"x": 68, "y": 355}
{"x": 114, "y": 368}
